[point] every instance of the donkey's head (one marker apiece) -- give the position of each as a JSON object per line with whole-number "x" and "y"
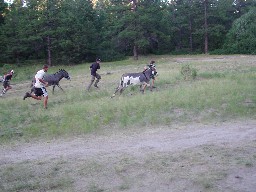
{"x": 64, "y": 73}
{"x": 151, "y": 70}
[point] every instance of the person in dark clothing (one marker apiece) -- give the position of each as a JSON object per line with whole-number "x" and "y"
{"x": 6, "y": 82}
{"x": 152, "y": 63}
{"x": 94, "y": 67}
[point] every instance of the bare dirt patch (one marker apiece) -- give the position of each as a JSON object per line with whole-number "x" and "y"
{"x": 197, "y": 157}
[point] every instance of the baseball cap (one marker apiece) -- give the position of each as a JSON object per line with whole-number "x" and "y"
{"x": 12, "y": 71}
{"x": 98, "y": 59}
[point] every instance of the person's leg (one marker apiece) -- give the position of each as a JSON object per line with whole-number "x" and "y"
{"x": 3, "y": 91}
{"x": 153, "y": 84}
{"x": 45, "y": 101}
{"x": 27, "y": 94}
{"x": 8, "y": 88}
{"x": 97, "y": 81}
{"x": 45, "y": 94}
{"x": 36, "y": 97}
{"x": 37, "y": 94}
{"x": 92, "y": 80}
{"x": 5, "y": 84}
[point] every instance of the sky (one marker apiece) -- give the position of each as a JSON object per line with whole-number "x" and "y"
{"x": 11, "y": 1}
{"x": 8, "y": 1}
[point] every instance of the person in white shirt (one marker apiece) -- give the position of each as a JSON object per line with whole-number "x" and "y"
{"x": 40, "y": 85}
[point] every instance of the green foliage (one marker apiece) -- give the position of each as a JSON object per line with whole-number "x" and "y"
{"x": 5, "y": 68}
{"x": 3, "y": 11}
{"x": 73, "y": 32}
{"x": 242, "y": 37}
{"x": 212, "y": 75}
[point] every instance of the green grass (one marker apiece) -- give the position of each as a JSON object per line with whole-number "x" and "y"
{"x": 222, "y": 90}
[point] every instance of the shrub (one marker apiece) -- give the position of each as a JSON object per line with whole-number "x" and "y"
{"x": 188, "y": 73}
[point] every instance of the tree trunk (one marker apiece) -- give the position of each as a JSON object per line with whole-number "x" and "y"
{"x": 135, "y": 52}
{"x": 135, "y": 48}
{"x": 190, "y": 34}
{"x": 49, "y": 59}
{"x": 205, "y": 27}
{"x": 180, "y": 40}
{"x": 17, "y": 58}
{"x": 190, "y": 28}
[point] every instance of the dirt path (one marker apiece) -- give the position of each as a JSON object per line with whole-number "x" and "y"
{"x": 160, "y": 139}
{"x": 153, "y": 159}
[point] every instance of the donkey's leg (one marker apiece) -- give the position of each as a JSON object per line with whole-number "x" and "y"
{"x": 117, "y": 89}
{"x": 53, "y": 87}
{"x": 60, "y": 87}
{"x": 143, "y": 87}
{"x": 121, "y": 90}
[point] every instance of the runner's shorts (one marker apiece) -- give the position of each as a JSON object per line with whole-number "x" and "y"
{"x": 40, "y": 92}
{"x": 6, "y": 84}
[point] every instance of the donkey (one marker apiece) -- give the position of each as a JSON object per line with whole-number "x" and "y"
{"x": 53, "y": 79}
{"x": 142, "y": 79}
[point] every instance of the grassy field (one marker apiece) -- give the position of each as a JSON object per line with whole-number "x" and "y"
{"x": 224, "y": 87}
{"x": 188, "y": 134}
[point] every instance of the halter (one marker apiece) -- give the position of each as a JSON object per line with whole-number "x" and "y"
{"x": 145, "y": 74}
{"x": 151, "y": 75}
{"x": 63, "y": 71}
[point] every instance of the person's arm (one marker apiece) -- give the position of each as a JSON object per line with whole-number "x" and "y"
{"x": 42, "y": 81}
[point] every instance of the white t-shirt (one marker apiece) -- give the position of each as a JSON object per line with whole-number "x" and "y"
{"x": 39, "y": 75}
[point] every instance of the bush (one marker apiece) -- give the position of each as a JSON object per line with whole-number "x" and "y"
{"x": 188, "y": 73}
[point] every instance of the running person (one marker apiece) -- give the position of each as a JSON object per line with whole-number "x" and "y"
{"x": 151, "y": 64}
{"x": 40, "y": 85}
{"x": 94, "y": 67}
{"x": 6, "y": 82}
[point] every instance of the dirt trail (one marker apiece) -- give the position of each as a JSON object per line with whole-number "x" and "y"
{"x": 197, "y": 157}
{"x": 159, "y": 139}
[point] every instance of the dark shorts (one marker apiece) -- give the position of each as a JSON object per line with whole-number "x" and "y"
{"x": 6, "y": 84}
{"x": 40, "y": 91}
